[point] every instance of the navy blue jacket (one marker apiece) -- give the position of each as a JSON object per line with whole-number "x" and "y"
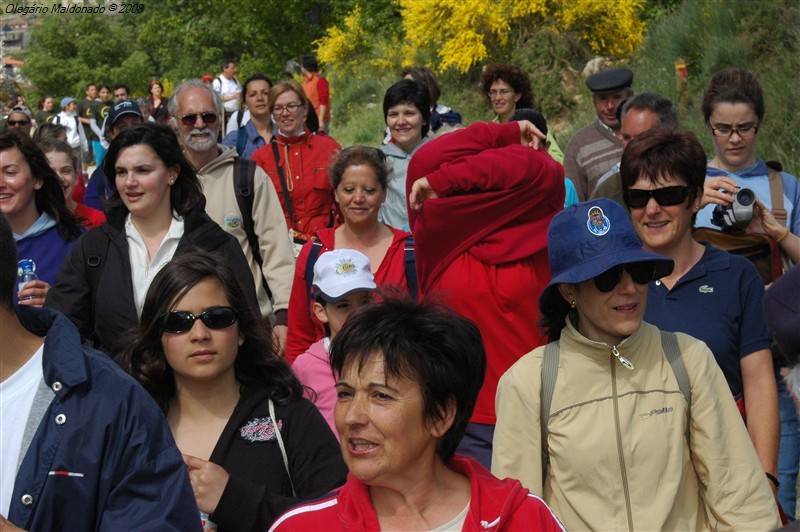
{"x": 104, "y": 426}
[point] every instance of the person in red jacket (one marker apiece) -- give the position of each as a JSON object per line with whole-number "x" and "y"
{"x": 408, "y": 378}
{"x": 480, "y": 237}
{"x": 297, "y": 161}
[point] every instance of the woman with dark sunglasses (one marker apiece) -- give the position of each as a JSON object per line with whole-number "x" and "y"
{"x": 156, "y": 212}
{"x": 252, "y": 444}
{"x": 711, "y": 294}
{"x": 615, "y": 425}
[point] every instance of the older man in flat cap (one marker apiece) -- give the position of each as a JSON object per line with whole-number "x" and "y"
{"x": 593, "y": 150}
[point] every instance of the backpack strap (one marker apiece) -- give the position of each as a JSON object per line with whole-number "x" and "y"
{"x": 280, "y": 444}
{"x": 241, "y": 140}
{"x": 313, "y": 255}
{"x": 776, "y": 191}
{"x": 411, "y": 267}
{"x": 552, "y": 353}
{"x": 669, "y": 343}
{"x": 96, "y": 250}
{"x": 244, "y": 173}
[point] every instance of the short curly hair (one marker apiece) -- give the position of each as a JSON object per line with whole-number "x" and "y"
{"x": 512, "y": 75}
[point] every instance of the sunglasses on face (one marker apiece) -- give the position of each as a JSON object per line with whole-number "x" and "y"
{"x": 208, "y": 118}
{"x": 636, "y": 198}
{"x": 15, "y": 123}
{"x": 179, "y": 321}
{"x": 640, "y": 272}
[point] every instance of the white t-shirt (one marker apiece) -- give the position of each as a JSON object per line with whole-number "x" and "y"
{"x": 16, "y": 398}
{"x": 142, "y": 268}
{"x": 228, "y": 87}
{"x": 231, "y": 126}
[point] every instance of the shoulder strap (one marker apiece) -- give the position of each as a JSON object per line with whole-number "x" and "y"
{"x": 776, "y": 191}
{"x": 241, "y": 140}
{"x": 287, "y": 199}
{"x": 552, "y": 353}
{"x": 239, "y": 117}
{"x": 669, "y": 343}
{"x": 280, "y": 444}
{"x": 313, "y": 255}
{"x": 411, "y": 267}
{"x": 96, "y": 253}
{"x": 244, "y": 172}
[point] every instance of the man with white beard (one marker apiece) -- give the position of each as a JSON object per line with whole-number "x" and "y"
{"x": 233, "y": 186}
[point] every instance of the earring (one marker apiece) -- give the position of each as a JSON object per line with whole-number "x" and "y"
{"x": 572, "y": 304}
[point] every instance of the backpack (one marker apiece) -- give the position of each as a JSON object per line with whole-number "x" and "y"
{"x": 761, "y": 250}
{"x": 552, "y": 352}
{"x": 244, "y": 172}
{"x": 408, "y": 254}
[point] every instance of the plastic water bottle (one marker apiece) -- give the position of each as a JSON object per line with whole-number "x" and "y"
{"x": 26, "y": 272}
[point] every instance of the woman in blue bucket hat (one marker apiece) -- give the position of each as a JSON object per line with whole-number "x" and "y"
{"x": 641, "y": 432}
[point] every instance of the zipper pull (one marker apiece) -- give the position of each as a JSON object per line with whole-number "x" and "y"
{"x": 622, "y": 360}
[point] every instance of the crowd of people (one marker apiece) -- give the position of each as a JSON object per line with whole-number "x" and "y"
{"x": 237, "y": 324}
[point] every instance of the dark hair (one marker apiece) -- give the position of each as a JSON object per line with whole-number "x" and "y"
{"x": 531, "y": 115}
{"x": 512, "y": 75}
{"x": 152, "y": 84}
{"x": 104, "y": 86}
{"x": 662, "y": 152}
{"x": 8, "y": 264}
{"x": 425, "y": 342}
{"x": 185, "y": 195}
{"x": 225, "y": 62}
{"x": 359, "y": 155}
{"x": 309, "y": 62}
{"x": 257, "y": 363}
{"x": 89, "y": 85}
{"x": 426, "y": 77}
{"x": 50, "y": 197}
{"x": 254, "y": 77}
{"x": 48, "y": 130}
{"x": 121, "y": 86}
{"x": 554, "y": 310}
{"x": 412, "y": 92}
{"x": 40, "y": 103}
{"x": 55, "y": 145}
{"x": 733, "y": 85}
{"x": 664, "y": 109}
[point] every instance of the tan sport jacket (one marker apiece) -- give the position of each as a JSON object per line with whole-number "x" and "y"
{"x": 619, "y": 457}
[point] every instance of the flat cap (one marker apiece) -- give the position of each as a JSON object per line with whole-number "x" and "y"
{"x": 610, "y": 80}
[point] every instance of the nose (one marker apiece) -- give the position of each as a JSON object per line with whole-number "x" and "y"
{"x": 199, "y": 331}
{"x": 652, "y": 206}
{"x": 354, "y": 411}
{"x": 626, "y": 284}
{"x": 199, "y": 120}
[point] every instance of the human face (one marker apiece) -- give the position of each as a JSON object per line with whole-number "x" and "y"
{"x": 62, "y": 164}
{"x": 120, "y": 95}
{"x": 20, "y": 121}
{"x": 47, "y": 105}
{"x": 104, "y": 94}
{"x": 386, "y": 440}
{"x": 257, "y": 98}
{"x": 71, "y": 108}
{"x": 335, "y": 314}
{"x": 605, "y": 105}
{"x": 405, "y": 125}
{"x": 229, "y": 70}
{"x": 635, "y": 122}
{"x": 199, "y": 137}
{"x": 91, "y": 92}
{"x": 124, "y": 122}
{"x": 291, "y": 123}
{"x": 18, "y": 187}
{"x": 663, "y": 228}
{"x": 359, "y": 195}
{"x": 143, "y": 182}
{"x": 734, "y": 152}
{"x": 201, "y": 353}
{"x": 156, "y": 90}
{"x": 503, "y": 99}
{"x": 607, "y": 317}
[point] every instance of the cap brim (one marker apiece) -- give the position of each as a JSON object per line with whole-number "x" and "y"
{"x": 335, "y": 299}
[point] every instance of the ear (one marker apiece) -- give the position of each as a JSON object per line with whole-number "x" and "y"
{"x": 319, "y": 312}
{"x": 567, "y": 291}
{"x": 241, "y": 339}
{"x": 440, "y": 427}
{"x": 697, "y": 204}
{"x": 38, "y": 183}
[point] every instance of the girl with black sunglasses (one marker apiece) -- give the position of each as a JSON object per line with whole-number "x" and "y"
{"x": 252, "y": 444}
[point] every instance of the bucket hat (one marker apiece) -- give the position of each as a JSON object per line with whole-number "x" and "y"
{"x": 588, "y": 238}
{"x": 340, "y": 272}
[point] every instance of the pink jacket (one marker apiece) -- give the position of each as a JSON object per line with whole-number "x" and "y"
{"x": 314, "y": 371}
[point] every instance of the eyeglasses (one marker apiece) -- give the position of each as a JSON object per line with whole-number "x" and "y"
{"x": 292, "y": 108}
{"x": 742, "y": 131}
{"x": 15, "y": 123}
{"x": 214, "y": 318}
{"x": 640, "y": 272}
{"x": 501, "y": 92}
{"x": 636, "y": 198}
{"x": 208, "y": 118}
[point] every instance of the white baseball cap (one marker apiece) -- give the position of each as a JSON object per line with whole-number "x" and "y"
{"x": 340, "y": 272}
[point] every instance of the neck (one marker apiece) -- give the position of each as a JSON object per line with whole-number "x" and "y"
{"x": 71, "y": 204}
{"x": 18, "y": 345}
{"x": 198, "y": 399}
{"x": 22, "y": 221}
{"x": 717, "y": 163}
{"x": 505, "y": 117}
{"x": 153, "y": 226}
{"x": 685, "y": 254}
{"x": 201, "y": 158}
{"x": 361, "y": 235}
{"x": 263, "y": 125}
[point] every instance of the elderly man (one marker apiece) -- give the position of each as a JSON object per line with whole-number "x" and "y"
{"x": 593, "y": 150}
{"x": 240, "y": 198}
{"x": 641, "y": 113}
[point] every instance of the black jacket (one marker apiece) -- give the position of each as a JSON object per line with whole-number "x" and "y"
{"x": 108, "y": 317}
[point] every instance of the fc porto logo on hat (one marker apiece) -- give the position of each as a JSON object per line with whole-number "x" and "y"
{"x": 346, "y": 268}
{"x": 597, "y": 222}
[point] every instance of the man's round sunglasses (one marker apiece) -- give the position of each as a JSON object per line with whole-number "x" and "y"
{"x": 179, "y": 321}
{"x": 636, "y": 198}
{"x": 15, "y": 123}
{"x": 208, "y": 118}
{"x": 640, "y": 272}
